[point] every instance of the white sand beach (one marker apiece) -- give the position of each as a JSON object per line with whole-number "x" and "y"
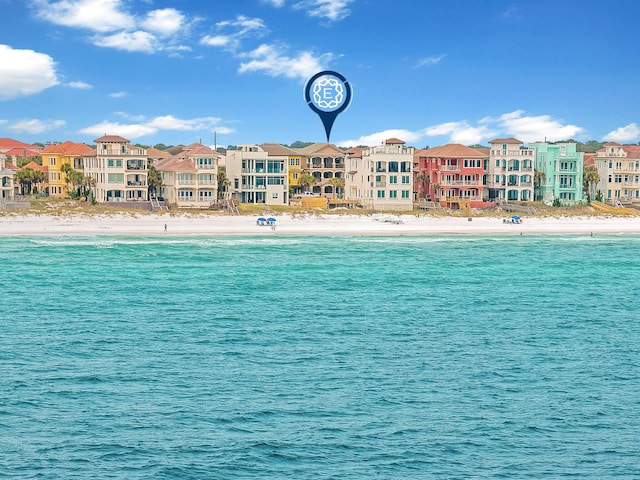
{"x": 311, "y": 224}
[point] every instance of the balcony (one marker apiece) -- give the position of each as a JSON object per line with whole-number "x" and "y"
{"x": 450, "y": 168}
{"x": 137, "y": 183}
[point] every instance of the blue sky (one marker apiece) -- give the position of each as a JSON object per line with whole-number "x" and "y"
{"x": 429, "y": 72}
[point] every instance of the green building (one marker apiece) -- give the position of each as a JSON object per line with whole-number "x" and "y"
{"x": 558, "y": 172}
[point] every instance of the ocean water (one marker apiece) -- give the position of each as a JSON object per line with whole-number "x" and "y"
{"x": 454, "y": 357}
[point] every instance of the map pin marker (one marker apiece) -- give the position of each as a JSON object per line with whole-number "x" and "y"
{"x": 327, "y": 93}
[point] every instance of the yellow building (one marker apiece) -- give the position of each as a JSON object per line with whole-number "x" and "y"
{"x": 55, "y": 156}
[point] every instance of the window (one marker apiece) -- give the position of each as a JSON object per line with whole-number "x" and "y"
{"x": 274, "y": 195}
{"x": 295, "y": 176}
{"x": 393, "y": 179}
{"x": 205, "y": 195}
{"x": 393, "y": 166}
{"x": 52, "y": 160}
{"x": 185, "y": 195}
{"x": 406, "y": 179}
{"x": 205, "y": 162}
{"x": 405, "y": 193}
{"x": 497, "y": 163}
{"x": 393, "y": 194}
{"x": 380, "y": 193}
{"x": 116, "y": 178}
{"x": 504, "y": 146}
{"x": 275, "y": 180}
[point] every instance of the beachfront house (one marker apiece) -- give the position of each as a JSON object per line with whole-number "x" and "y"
{"x": 256, "y": 176}
{"x": 619, "y": 170}
{"x": 190, "y": 178}
{"x": 559, "y": 167}
{"x": 119, "y": 170}
{"x": 509, "y": 172}
{"x": 6, "y": 180}
{"x": 56, "y": 155}
{"x": 326, "y": 163}
{"x": 381, "y": 177}
{"x": 452, "y": 175}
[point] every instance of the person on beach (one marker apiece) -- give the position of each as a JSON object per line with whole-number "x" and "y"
{"x": 165, "y": 228}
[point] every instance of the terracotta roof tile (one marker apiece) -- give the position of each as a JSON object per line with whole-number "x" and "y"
{"x": 35, "y": 166}
{"x": 9, "y": 143}
{"x": 394, "y": 141}
{"x": 69, "y": 148}
{"x": 175, "y": 164}
{"x": 453, "y": 150}
{"x": 22, "y": 152}
{"x": 277, "y": 149}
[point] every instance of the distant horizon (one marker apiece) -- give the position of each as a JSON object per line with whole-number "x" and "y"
{"x": 157, "y": 72}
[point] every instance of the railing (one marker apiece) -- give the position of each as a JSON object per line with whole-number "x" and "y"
{"x": 450, "y": 168}
{"x": 137, "y": 184}
{"x": 185, "y": 182}
{"x": 381, "y": 184}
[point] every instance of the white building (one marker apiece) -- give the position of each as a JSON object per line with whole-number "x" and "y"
{"x": 381, "y": 178}
{"x": 510, "y": 171}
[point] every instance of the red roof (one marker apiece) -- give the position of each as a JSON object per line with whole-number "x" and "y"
{"x": 35, "y": 166}
{"x": 453, "y": 150}
{"x": 394, "y": 141}
{"x": 175, "y": 164}
{"x": 590, "y": 158}
{"x": 9, "y": 143}
{"x": 69, "y": 148}
{"x": 22, "y": 152}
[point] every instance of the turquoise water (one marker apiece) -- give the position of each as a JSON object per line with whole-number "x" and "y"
{"x": 320, "y": 357}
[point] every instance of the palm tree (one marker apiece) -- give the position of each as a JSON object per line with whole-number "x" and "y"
{"x": 223, "y": 182}
{"x": 28, "y": 178}
{"x": 590, "y": 178}
{"x": 336, "y": 182}
{"x": 420, "y": 179}
{"x": 154, "y": 181}
{"x": 306, "y": 180}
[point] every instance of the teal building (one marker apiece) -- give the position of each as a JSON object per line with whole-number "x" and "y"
{"x": 558, "y": 172}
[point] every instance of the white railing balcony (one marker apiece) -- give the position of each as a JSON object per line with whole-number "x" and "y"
{"x": 450, "y": 168}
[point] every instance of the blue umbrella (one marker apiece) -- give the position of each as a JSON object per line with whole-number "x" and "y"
{"x": 262, "y": 219}
{"x": 271, "y": 219}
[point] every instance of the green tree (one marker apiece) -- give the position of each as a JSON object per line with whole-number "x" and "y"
{"x": 22, "y": 161}
{"x": 223, "y": 182}
{"x": 538, "y": 177}
{"x": 300, "y": 144}
{"x": 307, "y": 180}
{"x": 29, "y": 178}
{"x": 590, "y": 178}
{"x": 338, "y": 185}
{"x": 154, "y": 181}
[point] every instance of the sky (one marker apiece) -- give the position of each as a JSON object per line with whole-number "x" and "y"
{"x": 221, "y": 72}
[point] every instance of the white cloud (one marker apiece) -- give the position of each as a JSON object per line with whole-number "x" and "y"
{"x": 79, "y": 85}
{"x": 379, "y": 137}
{"x": 36, "y": 126}
{"x": 152, "y": 126}
{"x": 216, "y": 40}
{"x": 97, "y": 15}
{"x": 139, "y": 41}
{"x": 333, "y": 10}
{"x": 268, "y": 59}
{"x": 430, "y": 61}
{"x": 460, "y": 132}
{"x": 118, "y": 94}
{"x": 25, "y": 72}
{"x": 628, "y": 133}
{"x": 536, "y": 128}
{"x": 274, "y": 3}
{"x": 164, "y": 22}
{"x": 169, "y": 122}
{"x": 240, "y": 28}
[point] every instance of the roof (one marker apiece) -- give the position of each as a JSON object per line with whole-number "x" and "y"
{"x": 611, "y": 144}
{"x": 69, "y": 148}
{"x": 506, "y": 140}
{"x": 112, "y": 139}
{"x": 354, "y": 152}
{"x": 197, "y": 149}
{"x": 453, "y": 150}
{"x": 22, "y": 152}
{"x": 9, "y": 143}
{"x": 175, "y": 164}
{"x": 632, "y": 151}
{"x": 590, "y": 158}
{"x": 156, "y": 153}
{"x": 315, "y": 148}
{"x": 278, "y": 149}
{"x": 394, "y": 141}
{"x": 35, "y": 166}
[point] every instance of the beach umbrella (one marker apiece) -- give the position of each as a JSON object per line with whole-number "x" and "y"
{"x": 271, "y": 219}
{"x": 262, "y": 219}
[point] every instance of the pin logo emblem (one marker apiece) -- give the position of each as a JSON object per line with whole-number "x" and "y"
{"x": 327, "y": 93}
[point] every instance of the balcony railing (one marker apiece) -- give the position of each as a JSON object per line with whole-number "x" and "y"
{"x": 450, "y": 168}
{"x": 136, "y": 184}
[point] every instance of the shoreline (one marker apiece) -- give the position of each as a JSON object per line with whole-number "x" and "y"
{"x": 312, "y": 224}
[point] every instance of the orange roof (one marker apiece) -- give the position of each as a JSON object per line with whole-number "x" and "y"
{"x": 453, "y": 150}
{"x": 354, "y": 152}
{"x": 9, "y": 143}
{"x": 156, "y": 153}
{"x": 69, "y": 148}
{"x": 197, "y": 149}
{"x": 393, "y": 141}
{"x": 22, "y": 152}
{"x": 35, "y": 166}
{"x": 590, "y": 158}
{"x": 505, "y": 140}
{"x": 611, "y": 144}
